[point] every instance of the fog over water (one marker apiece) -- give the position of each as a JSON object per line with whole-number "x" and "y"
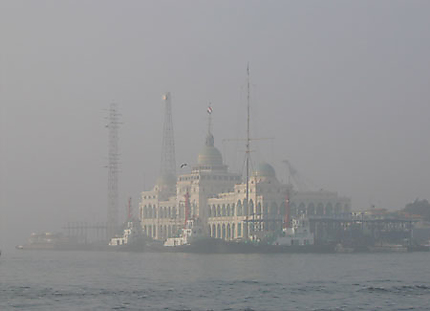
{"x": 343, "y": 87}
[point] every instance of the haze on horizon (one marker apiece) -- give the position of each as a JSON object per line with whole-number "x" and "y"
{"x": 343, "y": 87}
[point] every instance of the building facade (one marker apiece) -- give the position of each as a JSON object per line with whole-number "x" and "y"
{"x": 217, "y": 198}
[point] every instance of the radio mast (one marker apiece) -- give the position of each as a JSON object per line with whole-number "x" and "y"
{"x": 168, "y": 162}
{"x": 113, "y": 170}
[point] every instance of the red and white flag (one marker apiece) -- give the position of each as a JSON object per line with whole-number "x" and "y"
{"x": 209, "y": 109}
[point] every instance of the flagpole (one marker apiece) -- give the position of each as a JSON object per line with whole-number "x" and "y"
{"x": 210, "y": 118}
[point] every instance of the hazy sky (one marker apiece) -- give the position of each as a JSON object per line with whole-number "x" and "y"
{"x": 342, "y": 86}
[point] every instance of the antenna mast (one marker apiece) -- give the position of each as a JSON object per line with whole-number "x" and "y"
{"x": 248, "y": 151}
{"x": 113, "y": 158}
{"x": 168, "y": 162}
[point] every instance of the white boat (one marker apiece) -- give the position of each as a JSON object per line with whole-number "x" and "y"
{"x": 131, "y": 238}
{"x": 388, "y": 248}
{"x": 298, "y": 233}
{"x": 191, "y": 233}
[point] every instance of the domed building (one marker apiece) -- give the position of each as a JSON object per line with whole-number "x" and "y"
{"x": 217, "y": 198}
{"x": 209, "y": 156}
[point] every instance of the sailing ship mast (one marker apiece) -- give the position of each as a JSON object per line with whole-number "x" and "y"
{"x": 248, "y": 151}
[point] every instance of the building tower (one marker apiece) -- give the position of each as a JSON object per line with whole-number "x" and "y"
{"x": 113, "y": 170}
{"x": 168, "y": 162}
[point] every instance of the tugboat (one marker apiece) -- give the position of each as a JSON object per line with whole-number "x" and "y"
{"x": 295, "y": 239}
{"x": 190, "y": 234}
{"x": 131, "y": 238}
{"x": 298, "y": 234}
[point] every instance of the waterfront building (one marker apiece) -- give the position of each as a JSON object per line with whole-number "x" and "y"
{"x": 216, "y": 198}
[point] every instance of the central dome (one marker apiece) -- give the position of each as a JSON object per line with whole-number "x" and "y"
{"x": 209, "y": 156}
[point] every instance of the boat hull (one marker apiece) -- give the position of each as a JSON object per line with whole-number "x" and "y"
{"x": 217, "y": 246}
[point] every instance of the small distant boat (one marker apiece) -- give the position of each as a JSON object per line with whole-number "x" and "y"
{"x": 419, "y": 248}
{"x": 298, "y": 233}
{"x": 340, "y": 248}
{"x": 190, "y": 234}
{"x": 388, "y": 248}
{"x": 131, "y": 239}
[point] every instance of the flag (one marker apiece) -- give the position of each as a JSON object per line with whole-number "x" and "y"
{"x": 209, "y": 109}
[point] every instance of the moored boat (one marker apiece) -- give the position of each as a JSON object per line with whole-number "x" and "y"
{"x": 295, "y": 239}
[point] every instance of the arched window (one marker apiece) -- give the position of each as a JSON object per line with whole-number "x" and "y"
{"x": 218, "y": 210}
{"x": 214, "y": 231}
{"x": 228, "y": 209}
{"x": 223, "y": 210}
{"x": 245, "y": 207}
{"x": 233, "y": 233}
{"x": 346, "y": 208}
{"x": 274, "y": 209}
{"x": 293, "y": 209}
{"x": 209, "y": 230}
{"x": 239, "y": 208}
{"x": 232, "y": 210}
{"x": 228, "y": 232}
{"x": 194, "y": 208}
{"x": 218, "y": 234}
{"x": 259, "y": 208}
{"x": 311, "y": 209}
{"x": 282, "y": 209}
{"x": 181, "y": 211}
{"x": 251, "y": 207}
{"x": 223, "y": 231}
{"x": 329, "y": 209}
{"x": 209, "y": 211}
{"x": 320, "y": 209}
{"x": 302, "y": 209}
{"x": 338, "y": 209}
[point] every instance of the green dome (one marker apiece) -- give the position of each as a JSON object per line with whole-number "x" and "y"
{"x": 265, "y": 170}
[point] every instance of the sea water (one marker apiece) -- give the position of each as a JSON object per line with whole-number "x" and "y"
{"x": 71, "y": 280}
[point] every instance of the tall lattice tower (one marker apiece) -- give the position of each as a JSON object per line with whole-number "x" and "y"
{"x": 168, "y": 162}
{"x": 113, "y": 170}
